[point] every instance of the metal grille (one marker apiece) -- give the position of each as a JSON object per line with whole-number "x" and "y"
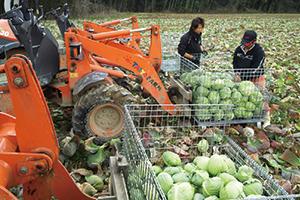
{"x": 140, "y": 148}
{"x": 250, "y": 102}
{"x": 174, "y": 62}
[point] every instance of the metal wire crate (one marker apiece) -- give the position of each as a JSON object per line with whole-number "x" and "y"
{"x": 143, "y": 149}
{"x": 250, "y": 103}
{"x": 174, "y": 62}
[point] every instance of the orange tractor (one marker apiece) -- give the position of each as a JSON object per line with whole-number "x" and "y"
{"x": 28, "y": 146}
{"x": 91, "y": 71}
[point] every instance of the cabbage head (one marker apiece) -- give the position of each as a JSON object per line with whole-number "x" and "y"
{"x": 201, "y": 92}
{"x": 232, "y": 190}
{"x": 199, "y": 177}
{"x": 212, "y": 186}
{"x": 205, "y": 81}
{"x": 214, "y": 97}
{"x": 226, "y": 178}
{"x": 244, "y": 173}
{"x": 171, "y": 159}
{"x": 202, "y": 100}
{"x": 218, "y": 84}
{"x": 201, "y": 162}
{"x": 253, "y": 187}
{"x": 247, "y": 88}
{"x": 165, "y": 181}
{"x": 236, "y": 96}
{"x": 181, "y": 191}
{"x": 216, "y": 165}
{"x": 225, "y": 93}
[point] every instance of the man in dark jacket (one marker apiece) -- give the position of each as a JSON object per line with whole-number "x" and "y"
{"x": 190, "y": 45}
{"x": 248, "y": 59}
{"x": 248, "y": 64}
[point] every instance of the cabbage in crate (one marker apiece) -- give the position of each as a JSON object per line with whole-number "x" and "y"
{"x": 219, "y": 88}
{"x": 214, "y": 177}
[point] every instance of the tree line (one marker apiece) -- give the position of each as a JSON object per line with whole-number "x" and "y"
{"x": 80, "y": 7}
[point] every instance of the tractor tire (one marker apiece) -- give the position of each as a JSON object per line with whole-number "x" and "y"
{"x": 99, "y": 112}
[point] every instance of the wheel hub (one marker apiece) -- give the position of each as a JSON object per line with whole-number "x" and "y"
{"x": 106, "y": 120}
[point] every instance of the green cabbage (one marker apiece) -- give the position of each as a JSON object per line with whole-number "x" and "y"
{"x": 195, "y": 81}
{"x": 199, "y": 177}
{"x": 226, "y": 102}
{"x": 245, "y": 99}
{"x": 136, "y": 194}
{"x": 201, "y": 92}
{"x": 216, "y": 165}
{"x": 229, "y": 115}
{"x": 256, "y": 97}
{"x": 239, "y": 112}
{"x": 172, "y": 170}
{"x": 218, "y": 84}
{"x": 205, "y": 81}
{"x": 95, "y": 181}
{"x": 236, "y": 96}
{"x": 156, "y": 169}
{"x": 247, "y": 88}
{"x": 165, "y": 181}
{"x": 253, "y": 187}
{"x": 201, "y": 100}
{"x": 250, "y": 106}
{"x": 198, "y": 196}
{"x": 212, "y": 186}
{"x": 203, "y": 146}
{"x": 244, "y": 173}
{"x": 226, "y": 178}
{"x": 214, "y": 97}
{"x": 171, "y": 159}
{"x": 230, "y": 169}
{"x": 225, "y": 93}
{"x": 201, "y": 162}
{"x": 180, "y": 177}
{"x": 247, "y": 115}
{"x": 229, "y": 83}
{"x": 203, "y": 114}
{"x": 190, "y": 167}
{"x": 212, "y": 198}
{"x": 181, "y": 191}
{"x": 233, "y": 190}
{"x": 258, "y": 110}
{"x": 219, "y": 115}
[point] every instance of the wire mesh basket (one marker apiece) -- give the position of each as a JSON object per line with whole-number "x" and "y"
{"x": 246, "y": 89}
{"x": 174, "y": 62}
{"x": 150, "y": 131}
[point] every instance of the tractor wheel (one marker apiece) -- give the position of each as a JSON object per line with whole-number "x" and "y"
{"x": 99, "y": 112}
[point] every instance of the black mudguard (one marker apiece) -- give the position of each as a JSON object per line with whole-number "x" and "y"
{"x": 88, "y": 81}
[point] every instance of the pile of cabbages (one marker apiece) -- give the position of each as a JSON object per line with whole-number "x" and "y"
{"x": 206, "y": 177}
{"x": 223, "y": 88}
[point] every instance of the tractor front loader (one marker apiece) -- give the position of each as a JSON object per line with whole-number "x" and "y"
{"x": 90, "y": 70}
{"x": 28, "y": 146}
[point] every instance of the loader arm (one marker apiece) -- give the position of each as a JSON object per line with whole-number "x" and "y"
{"x": 146, "y": 67}
{"x": 109, "y": 26}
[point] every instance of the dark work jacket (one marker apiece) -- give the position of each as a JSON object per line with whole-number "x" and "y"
{"x": 245, "y": 62}
{"x": 190, "y": 43}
